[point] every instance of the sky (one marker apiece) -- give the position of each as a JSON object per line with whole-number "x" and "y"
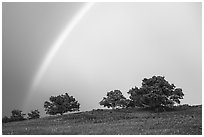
{"x": 112, "y": 46}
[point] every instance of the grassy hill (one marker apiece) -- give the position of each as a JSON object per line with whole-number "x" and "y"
{"x": 183, "y": 121}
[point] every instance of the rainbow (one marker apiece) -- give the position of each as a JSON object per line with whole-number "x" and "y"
{"x": 55, "y": 47}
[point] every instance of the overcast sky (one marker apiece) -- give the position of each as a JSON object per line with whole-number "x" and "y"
{"x": 113, "y": 46}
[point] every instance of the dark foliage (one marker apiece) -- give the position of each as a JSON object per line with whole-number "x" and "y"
{"x": 34, "y": 114}
{"x": 114, "y": 99}
{"x": 156, "y": 93}
{"x": 5, "y": 119}
{"x": 17, "y": 115}
{"x": 61, "y": 104}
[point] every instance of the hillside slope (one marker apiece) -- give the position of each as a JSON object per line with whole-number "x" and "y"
{"x": 112, "y": 122}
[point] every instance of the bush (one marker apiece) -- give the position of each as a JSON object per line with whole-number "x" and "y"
{"x": 61, "y": 104}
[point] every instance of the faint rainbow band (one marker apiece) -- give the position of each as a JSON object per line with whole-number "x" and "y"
{"x": 56, "y": 46}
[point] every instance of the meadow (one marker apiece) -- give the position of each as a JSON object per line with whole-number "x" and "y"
{"x": 181, "y": 121}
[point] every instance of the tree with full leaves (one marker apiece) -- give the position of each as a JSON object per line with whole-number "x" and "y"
{"x": 114, "y": 99}
{"x": 61, "y": 104}
{"x": 17, "y": 115}
{"x": 156, "y": 93}
{"x": 5, "y": 119}
{"x": 34, "y": 114}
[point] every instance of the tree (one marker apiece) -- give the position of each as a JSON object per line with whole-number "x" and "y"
{"x": 5, "y": 119}
{"x": 17, "y": 115}
{"x": 156, "y": 93}
{"x": 61, "y": 104}
{"x": 34, "y": 114}
{"x": 114, "y": 99}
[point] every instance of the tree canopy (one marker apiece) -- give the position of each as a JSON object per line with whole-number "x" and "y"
{"x": 156, "y": 92}
{"x": 61, "y": 104}
{"x": 34, "y": 114}
{"x": 17, "y": 115}
{"x": 114, "y": 99}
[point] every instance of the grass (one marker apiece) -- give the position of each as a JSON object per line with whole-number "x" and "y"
{"x": 186, "y": 121}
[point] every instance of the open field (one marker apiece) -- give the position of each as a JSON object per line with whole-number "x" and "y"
{"x": 112, "y": 122}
